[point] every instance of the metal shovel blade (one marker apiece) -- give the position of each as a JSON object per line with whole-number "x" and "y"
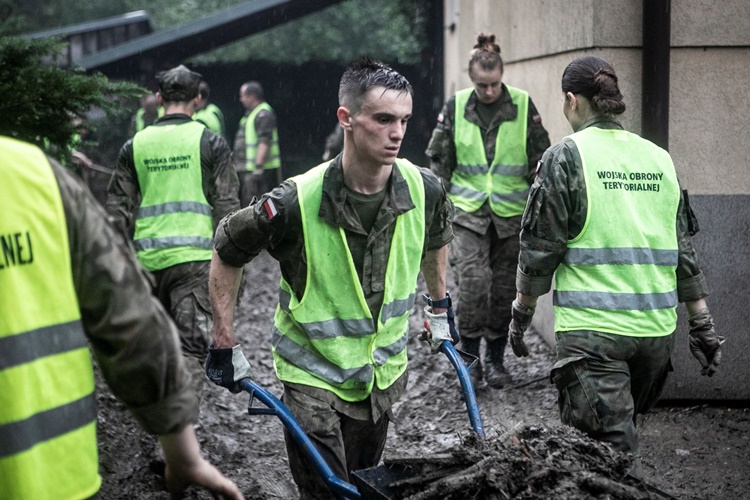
{"x": 374, "y": 483}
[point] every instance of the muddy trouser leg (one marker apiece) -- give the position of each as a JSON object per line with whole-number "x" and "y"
{"x": 649, "y": 369}
{"x": 503, "y": 264}
{"x": 593, "y": 380}
{"x": 469, "y": 256}
{"x": 191, "y": 311}
{"x": 344, "y": 443}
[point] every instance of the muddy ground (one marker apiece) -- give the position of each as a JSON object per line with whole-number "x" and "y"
{"x": 693, "y": 451}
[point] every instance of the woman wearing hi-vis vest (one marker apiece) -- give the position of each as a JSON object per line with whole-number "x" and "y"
{"x": 486, "y": 145}
{"x": 607, "y": 217}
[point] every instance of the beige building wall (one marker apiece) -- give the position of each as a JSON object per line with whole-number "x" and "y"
{"x": 709, "y": 126}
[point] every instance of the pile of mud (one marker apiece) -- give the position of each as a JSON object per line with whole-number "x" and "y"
{"x": 527, "y": 462}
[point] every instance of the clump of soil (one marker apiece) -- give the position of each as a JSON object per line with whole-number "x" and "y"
{"x": 527, "y": 462}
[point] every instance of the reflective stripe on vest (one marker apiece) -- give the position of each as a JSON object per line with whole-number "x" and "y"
{"x": 47, "y": 404}
{"x": 504, "y": 181}
{"x": 618, "y": 276}
{"x": 273, "y": 158}
{"x": 174, "y": 223}
{"x": 328, "y": 339}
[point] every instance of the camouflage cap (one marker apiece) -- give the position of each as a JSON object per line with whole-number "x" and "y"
{"x": 178, "y": 84}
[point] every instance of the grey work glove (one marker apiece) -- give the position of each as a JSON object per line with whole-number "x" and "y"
{"x": 226, "y": 367}
{"x": 705, "y": 345}
{"x": 438, "y": 329}
{"x": 521, "y": 316}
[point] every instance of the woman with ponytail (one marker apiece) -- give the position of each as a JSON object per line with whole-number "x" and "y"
{"x": 607, "y": 217}
{"x": 486, "y": 146}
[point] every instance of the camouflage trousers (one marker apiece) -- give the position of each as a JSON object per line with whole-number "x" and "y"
{"x": 346, "y": 444}
{"x": 183, "y": 291}
{"x": 605, "y": 380}
{"x": 485, "y": 268}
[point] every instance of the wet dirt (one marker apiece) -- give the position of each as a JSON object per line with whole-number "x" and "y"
{"x": 691, "y": 452}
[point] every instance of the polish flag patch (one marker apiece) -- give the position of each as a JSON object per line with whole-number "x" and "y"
{"x": 270, "y": 209}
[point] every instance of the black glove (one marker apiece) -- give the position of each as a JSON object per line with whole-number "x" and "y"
{"x": 225, "y": 367}
{"x": 440, "y": 326}
{"x": 521, "y": 316}
{"x": 705, "y": 345}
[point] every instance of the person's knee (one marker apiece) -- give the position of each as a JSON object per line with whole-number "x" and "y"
{"x": 587, "y": 408}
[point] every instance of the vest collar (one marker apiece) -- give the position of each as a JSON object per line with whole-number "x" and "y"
{"x": 335, "y": 209}
{"x": 606, "y": 122}
{"x": 507, "y": 112}
{"x": 174, "y": 119}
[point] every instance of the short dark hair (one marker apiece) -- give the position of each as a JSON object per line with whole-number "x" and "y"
{"x": 253, "y": 88}
{"x": 595, "y": 79}
{"x": 364, "y": 74}
{"x": 204, "y": 90}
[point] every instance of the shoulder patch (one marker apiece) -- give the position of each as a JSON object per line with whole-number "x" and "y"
{"x": 271, "y": 210}
{"x": 441, "y": 118}
{"x": 537, "y": 118}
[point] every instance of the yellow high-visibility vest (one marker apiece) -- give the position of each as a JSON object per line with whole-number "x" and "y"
{"x": 47, "y": 404}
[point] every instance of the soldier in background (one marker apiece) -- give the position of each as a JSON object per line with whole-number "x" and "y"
{"x": 209, "y": 113}
{"x": 486, "y": 145}
{"x": 256, "y": 145}
{"x": 184, "y": 175}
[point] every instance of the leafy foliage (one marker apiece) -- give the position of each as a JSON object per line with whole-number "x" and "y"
{"x": 391, "y": 30}
{"x": 44, "y": 104}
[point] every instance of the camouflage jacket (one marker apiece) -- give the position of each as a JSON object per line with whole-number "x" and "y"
{"x": 220, "y": 183}
{"x": 135, "y": 343}
{"x": 442, "y": 154}
{"x": 556, "y": 212}
{"x": 242, "y": 236}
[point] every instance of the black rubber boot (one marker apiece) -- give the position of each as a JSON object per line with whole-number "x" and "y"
{"x": 497, "y": 376}
{"x": 471, "y": 346}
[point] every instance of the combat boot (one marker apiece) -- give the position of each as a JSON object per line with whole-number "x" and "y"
{"x": 497, "y": 376}
{"x": 471, "y": 346}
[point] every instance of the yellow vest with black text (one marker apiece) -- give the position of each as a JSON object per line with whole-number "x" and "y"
{"x": 273, "y": 158}
{"x": 174, "y": 222}
{"x": 328, "y": 339}
{"x": 619, "y": 274}
{"x": 47, "y": 406}
{"x": 504, "y": 181}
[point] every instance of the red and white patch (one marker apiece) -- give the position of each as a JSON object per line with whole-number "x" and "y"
{"x": 270, "y": 209}
{"x": 536, "y": 119}
{"x": 441, "y": 118}
{"x": 538, "y": 165}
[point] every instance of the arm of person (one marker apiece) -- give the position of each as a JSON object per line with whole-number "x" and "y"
{"x": 221, "y": 184}
{"x": 135, "y": 343}
{"x": 123, "y": 192}
{"x": 223, "y": 286}
{"x": 435, "y": 271}
{"x": 441, "y": 149}
{"x": 554, "y": 214}
{"x": 265, "y": 123}
{"x": 186, "y": 466}
{"x": 537, "y": 140}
